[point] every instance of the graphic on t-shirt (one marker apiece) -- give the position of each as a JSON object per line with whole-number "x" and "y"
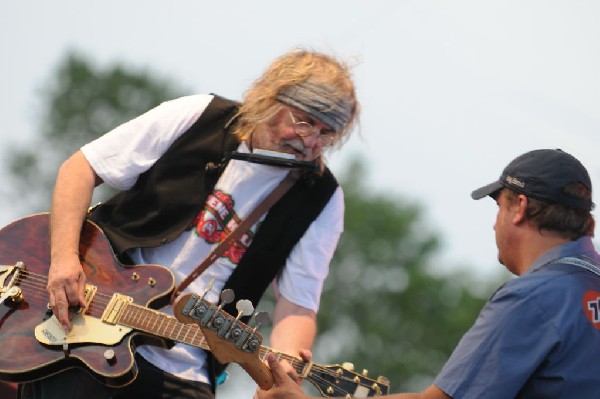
{"x": 591, "y": 307}
{"x": 217, "y": 220}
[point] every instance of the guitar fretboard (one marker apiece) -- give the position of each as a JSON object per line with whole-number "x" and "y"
{"x": 162, "y": 325}
{"x": 166, "y": 326}
{"x": 298, "y": 364}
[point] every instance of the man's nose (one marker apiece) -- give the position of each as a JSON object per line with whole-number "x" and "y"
{"x": 311, "y": 140}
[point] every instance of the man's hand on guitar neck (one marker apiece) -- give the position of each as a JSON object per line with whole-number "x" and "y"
{"x": 285, "y": 387}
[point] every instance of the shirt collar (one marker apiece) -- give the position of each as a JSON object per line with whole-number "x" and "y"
{"x": 582, "y": 245}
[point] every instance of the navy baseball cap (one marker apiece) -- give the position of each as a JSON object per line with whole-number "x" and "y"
{"x": 543, "y": 175}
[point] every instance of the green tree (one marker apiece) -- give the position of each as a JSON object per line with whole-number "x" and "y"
{"x": 80, "y": 103}
{"x": 383, "y": 307}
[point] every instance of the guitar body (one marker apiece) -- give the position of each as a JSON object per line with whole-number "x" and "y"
{"x": 22, "y": 357}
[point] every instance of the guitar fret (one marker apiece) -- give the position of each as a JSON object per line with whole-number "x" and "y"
{"x": 160, "y": 324}
{"x": 143, "y": 319}
{"x": 187, "y": 335}
{"x": 265, "y": 353}
{"x": 154, "y": 322}
{"x": 181, "y": 326}
{"x": 151, "y": 318}
{"x": 202, "y": 341}
{"x": 196, "y": 330}
{"x": 167, "y": 328}
{"x": 172, "y": 329}
{"x": 134, "y": 316}
{"x": 126, "y": 316}
{"x": 163, "y": 325}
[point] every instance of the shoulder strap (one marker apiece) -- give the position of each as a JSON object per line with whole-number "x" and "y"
{"x": 244, "y": 226}
{"x": 581, "y": 261}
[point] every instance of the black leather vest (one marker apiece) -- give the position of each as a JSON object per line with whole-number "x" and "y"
{"x": 165, "y": 200}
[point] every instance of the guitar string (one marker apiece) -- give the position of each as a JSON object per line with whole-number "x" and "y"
{"x": 38, "y": 282}
{"x": 295, "y": 362}
{"x": 36, "y": 285}
{"x": 299, "y": 365}
{"x": 317, "y": 378}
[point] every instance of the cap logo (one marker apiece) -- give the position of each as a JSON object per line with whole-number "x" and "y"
{"x": 514, "y": 181}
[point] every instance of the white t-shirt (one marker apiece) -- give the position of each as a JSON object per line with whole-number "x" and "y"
{"x": 121, "y": 155}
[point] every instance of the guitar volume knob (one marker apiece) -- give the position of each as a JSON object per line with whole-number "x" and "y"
{"x": 110, "y": 356}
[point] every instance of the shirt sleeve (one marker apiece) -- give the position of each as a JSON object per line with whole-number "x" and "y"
{"x": 494, "y": 359}
{"x": 302, "y": 278}
{"x": 130, "y": 149}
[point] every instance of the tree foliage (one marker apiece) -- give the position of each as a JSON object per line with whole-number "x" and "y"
{"x": 382, "y": 308}
{"x": 80, "y": 102}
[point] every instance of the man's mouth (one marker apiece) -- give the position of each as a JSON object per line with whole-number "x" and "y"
{"x": 296, "y": 149}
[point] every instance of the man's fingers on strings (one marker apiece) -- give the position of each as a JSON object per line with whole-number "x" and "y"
{"x": 279, "y": 373}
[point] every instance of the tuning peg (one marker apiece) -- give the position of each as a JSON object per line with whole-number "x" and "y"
{"x": 383, "y": 380}
{"x": 210, "y": 284}
{"x": 348, "y": 366}
{"x": 244, "y": 307}
{"x": 261, "y": 318}
{"x": 208, "y": 287}
{"x": 365, "y": 372}
{"x": 217, "y": 317}
{"x": 227, "y": 296}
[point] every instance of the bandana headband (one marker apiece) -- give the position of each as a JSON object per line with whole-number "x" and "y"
{"x": 319, "y": 101}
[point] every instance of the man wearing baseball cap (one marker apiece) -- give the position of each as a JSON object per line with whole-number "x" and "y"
{"x": 539, "y": 334}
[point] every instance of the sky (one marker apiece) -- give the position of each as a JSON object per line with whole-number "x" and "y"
{"x": 451, "y": 91}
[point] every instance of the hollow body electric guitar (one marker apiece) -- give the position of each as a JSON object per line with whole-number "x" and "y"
{"x": 119, "y": 314}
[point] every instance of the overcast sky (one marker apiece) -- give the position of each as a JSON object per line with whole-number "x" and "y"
{"x": 451, "y": 91}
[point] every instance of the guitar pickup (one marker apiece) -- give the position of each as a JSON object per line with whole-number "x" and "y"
{"x": 115, "y": 308}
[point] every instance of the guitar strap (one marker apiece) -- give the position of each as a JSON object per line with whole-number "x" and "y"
{"x": 244, "y": 226}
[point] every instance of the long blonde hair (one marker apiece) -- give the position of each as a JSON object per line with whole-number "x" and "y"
{"x": 259, "y": 102}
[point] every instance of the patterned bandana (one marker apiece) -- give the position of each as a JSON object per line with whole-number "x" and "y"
{"x": 319, "y": 101}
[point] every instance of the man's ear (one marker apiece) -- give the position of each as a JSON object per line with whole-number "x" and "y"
{"x": 520, "y": 209}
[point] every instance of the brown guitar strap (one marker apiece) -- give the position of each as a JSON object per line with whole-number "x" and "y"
{"x": 244, "y": 226}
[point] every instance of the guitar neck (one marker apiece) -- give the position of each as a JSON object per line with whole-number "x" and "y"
{"x": 162, "y": 325}
{"x": 302, "y": 368}
{"x": 165, "y": 326}
{"x": 329, "y": 380}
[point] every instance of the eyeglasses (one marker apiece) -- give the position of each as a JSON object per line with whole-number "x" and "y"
{"x": 305, "y": 129}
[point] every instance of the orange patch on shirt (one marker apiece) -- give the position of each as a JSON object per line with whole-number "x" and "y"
{"x": 591, "y": 307}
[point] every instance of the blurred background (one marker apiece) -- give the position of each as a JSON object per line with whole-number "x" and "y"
{"x": 450, "y": 93}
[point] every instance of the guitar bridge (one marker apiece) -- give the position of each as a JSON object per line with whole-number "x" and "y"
{"x": 10, "y": 290}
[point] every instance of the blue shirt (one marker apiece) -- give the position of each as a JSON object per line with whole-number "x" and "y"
{"x": 537, "y": 337}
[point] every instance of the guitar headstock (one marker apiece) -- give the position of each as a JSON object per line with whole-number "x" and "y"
{"x": 229, "y": 339}
{"x": 342, "y": 381}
